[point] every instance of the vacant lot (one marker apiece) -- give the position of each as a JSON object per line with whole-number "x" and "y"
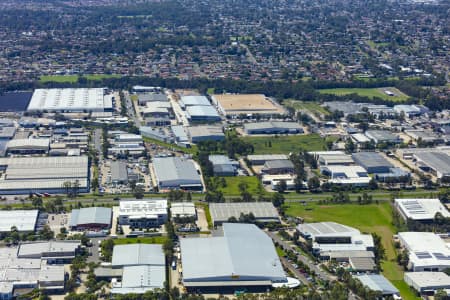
{"x": 232, "y": 185}
{"x": 313, "y": 107}
{"x": 74, "y": 78}
{"x": 369, "y": 92}
{"x": 286, "y": 144}
{"x": 373, "y": 218}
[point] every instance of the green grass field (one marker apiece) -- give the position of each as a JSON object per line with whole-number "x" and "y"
{"x": 232, "y": 188}
{"x": 141, "y": 240}
{"x": 191, "y": 150}
{"x": 313, "y": 107}
{"x": 369, "y": 92}
{"x": 74, "y": 78}
{"x": 286, "y": 144}
{"x": 371, "y": 218}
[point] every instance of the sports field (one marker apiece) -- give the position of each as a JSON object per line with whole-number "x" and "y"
{"x": 367, "y": 218}
{"x": 369, "y": 92}
{"x": 74, "y": 78}
{"x": 286, "y": 144}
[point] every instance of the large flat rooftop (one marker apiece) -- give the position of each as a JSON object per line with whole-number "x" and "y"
{"x": 246, "y": 104}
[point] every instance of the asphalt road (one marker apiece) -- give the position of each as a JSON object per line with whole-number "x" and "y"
{"x": 130, "y": 110}
{"x": 319, "y": 272}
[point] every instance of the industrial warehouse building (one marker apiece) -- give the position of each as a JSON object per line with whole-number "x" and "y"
{"x": 247, "y": 104}
{"x": 119, "y": 172}
{"x": 281, "y": 166}
{"x": 24, "y": 175}
{"x": 145, "y": 213}
{"x": 373, "y": 162}
{"x": 243, "y": 258}
{"x": 336, "y": 241}
{"x": 223, "y": 166}
{"x": 23, "y": 220}
{"x": 206, "y": 133}
{"x": 436, "y": 162}
{"x": 261, "y": 159}
{"x": 70, "y": 100}
{"x": 383, "y": 136}
{"x": 263, "y": 211}
{"x": 143, "y": 265}
{"x": 273, "y": 127}
{"x": 423, "y": 210}
{"x": 183, "y": 210}
{"x": 201, "y": 113}
{"x": 378, "y": 283}
{"x": 28, "y": 146}
{"x": 176, "y": 173}
{"x": 427, "y": 251}
{"x": 27, "y": 273}
{"x": 427, "y": 282}
{"x": 54, "y": 252}
{"x": 143, "y": 98}
{"x": 346, "y": 175}
{"x": 187, "y": 101}
{"x": 328, "y": 158}
{"x": 90, "y": 218}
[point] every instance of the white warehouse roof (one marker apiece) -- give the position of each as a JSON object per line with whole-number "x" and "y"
{"x": 24, "y": 220}
{"x": 426, "y": 250}
{"x": 421, "y": 209}
{"x": 70, "y": 99}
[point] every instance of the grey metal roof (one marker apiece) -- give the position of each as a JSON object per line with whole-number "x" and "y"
{"x": 362, "y": 263}
{"x": 140, "y": 279}
{"x": 381, "y": 135}
{"x": 175, "y": 171}
{"x": 199, "y": 131}
{"x": 371, "y": 160}
{"x": 195, "y": 100}
{"x": 202, "y": 111}
{"x": 377, "y": 282}
{"x": 273, "y": 125}
{"x": 244, "y": 252}
{"x": 119, "y": 171}
{"x": 279, "y": 164}
{"x": 221, "y": 212}
{"x": 437, "y": 160}
{"x": 221, "y": 160}
{"x": 150, "y": 97}
{"x": 37, "y": 249}
{"x": 91, "y": 215}
{"x": 138, "y": 254}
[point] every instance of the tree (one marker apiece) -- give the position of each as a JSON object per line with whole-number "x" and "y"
{"x": 37, "y": 202}
{"x": 313, "y": 183}
{"x": 440, "y": 295}
{"x": 281, "y": 186}
{"x": 138, "y": 191}
{"x": 277, "y": 199}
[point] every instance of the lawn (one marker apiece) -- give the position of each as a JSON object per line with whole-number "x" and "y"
{"x": 74, "y": 78}
{"x": 141, "y": 240}
{"x": 313, "y": 107}
{"x": 286, "y": 144}
{"x": 368, "y": 92}
{"x": 367, "y": 218}
{"x": 232, "y": 187}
